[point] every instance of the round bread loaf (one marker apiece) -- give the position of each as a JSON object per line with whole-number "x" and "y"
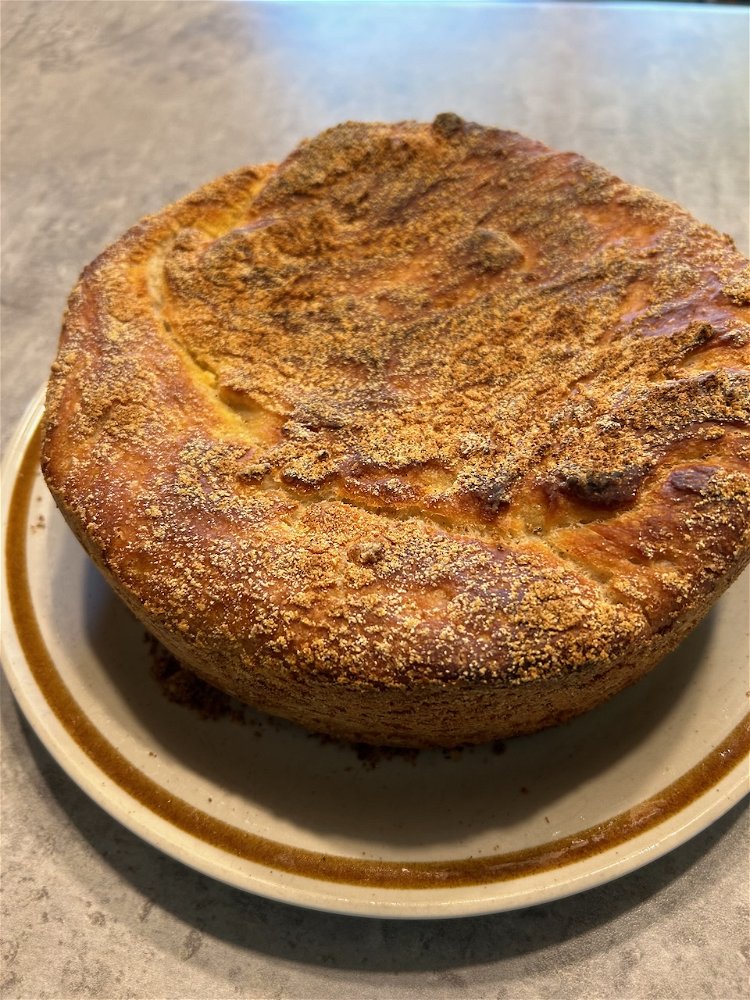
{"x": 428, "y": 436}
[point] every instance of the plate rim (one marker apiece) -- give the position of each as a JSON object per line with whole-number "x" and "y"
{"x": 341, "y": 896}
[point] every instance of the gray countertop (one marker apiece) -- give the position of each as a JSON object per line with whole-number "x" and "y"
{"x": 112, "y": 109}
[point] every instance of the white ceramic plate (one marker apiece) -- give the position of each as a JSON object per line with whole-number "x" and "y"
{"x": 268, "y": 808}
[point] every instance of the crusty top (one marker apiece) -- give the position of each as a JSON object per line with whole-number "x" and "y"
{"x": 423, "y": 402}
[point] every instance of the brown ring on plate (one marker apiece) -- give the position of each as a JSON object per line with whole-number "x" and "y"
{"x": 449, "y": 873}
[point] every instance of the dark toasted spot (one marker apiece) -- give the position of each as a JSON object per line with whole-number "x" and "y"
{"x": 690, "y": 480}
{"x": 604, "y": 488}
{"x": 447, "y": 124}
{"x": 491, "y": 492}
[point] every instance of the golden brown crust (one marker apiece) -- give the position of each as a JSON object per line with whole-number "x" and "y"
{"x": 429, "y": 435}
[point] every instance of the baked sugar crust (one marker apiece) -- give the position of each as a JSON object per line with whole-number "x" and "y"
{"x": 429, "y": 435}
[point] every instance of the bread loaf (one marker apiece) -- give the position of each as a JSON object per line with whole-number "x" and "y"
{"x": 427, "y": 436}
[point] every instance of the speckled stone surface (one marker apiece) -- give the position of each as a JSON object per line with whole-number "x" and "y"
{"x": 111, "y": 109}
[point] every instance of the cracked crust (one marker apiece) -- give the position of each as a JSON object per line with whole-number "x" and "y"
{"x": 429, "y": 435}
